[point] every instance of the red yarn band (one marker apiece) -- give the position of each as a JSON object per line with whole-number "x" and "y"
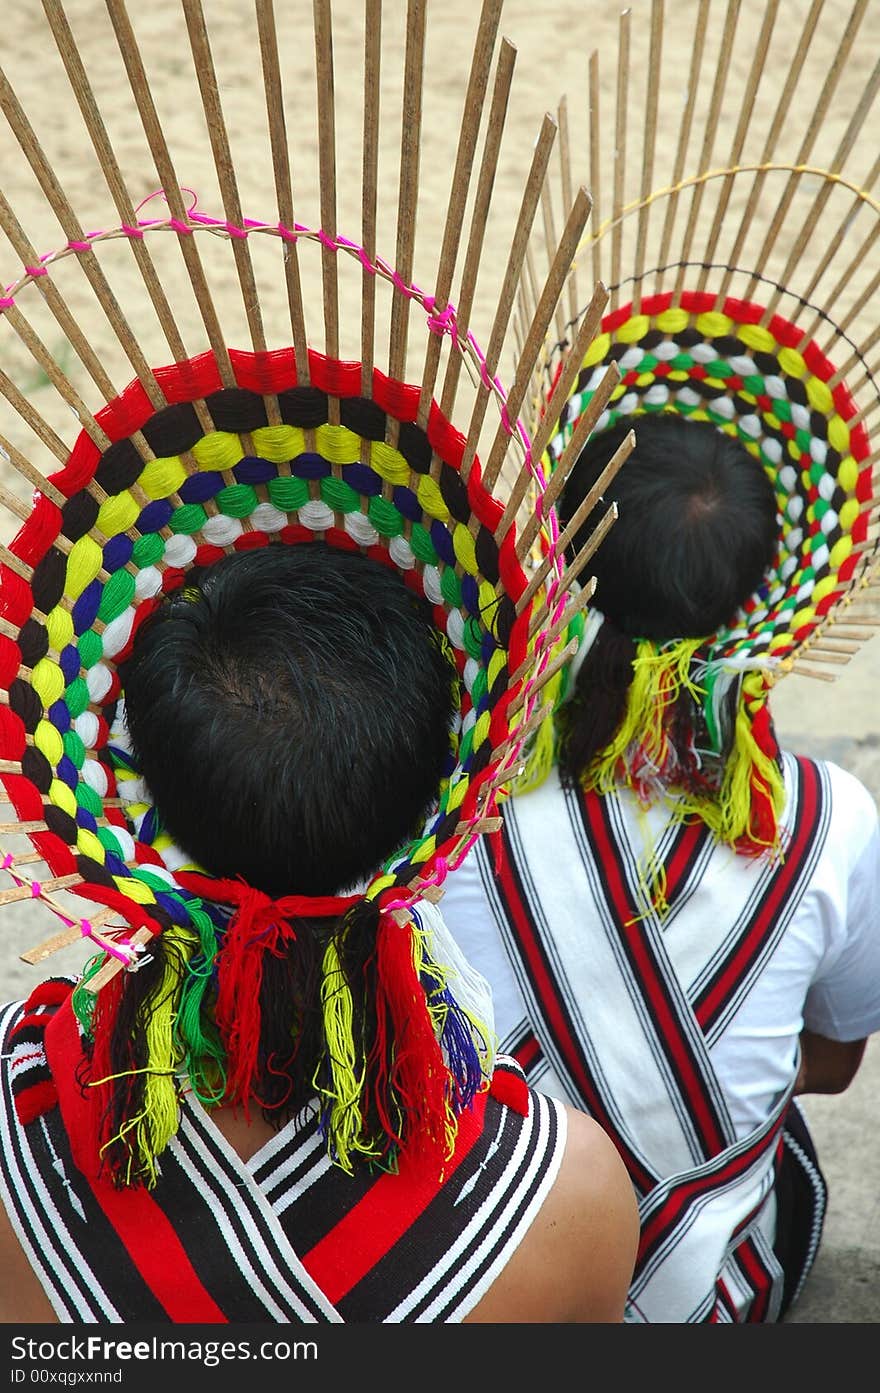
{"x": 235, "y": 892}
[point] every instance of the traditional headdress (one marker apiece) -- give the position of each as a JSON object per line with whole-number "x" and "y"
{"x": 739, "y": 244}
{"x": 162, "y": 422}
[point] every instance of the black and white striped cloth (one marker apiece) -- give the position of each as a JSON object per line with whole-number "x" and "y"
{"x": 288, "y": 1236}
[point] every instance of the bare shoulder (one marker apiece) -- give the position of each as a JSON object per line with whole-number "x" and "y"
{"x": 22, "y": 1299}
{"x": 576, "y": 1261}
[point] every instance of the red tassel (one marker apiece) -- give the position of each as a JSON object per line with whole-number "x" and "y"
{"x": 762, "y": 730}
{"x": 99, "y": 1094}
{"x": 763, "y": 825}
{"x": 259, "y": 925}
{"x": 255, "y": 928}
{"x": 419, "y": 1076}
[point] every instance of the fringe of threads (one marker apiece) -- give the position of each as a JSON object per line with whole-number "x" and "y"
{"x": 342, "y": 1092}
{"x": 257, "y": 927}
{"x": 420, "y": 1082}
{"x": 540, "y": 756}
{"x": 96, "y": 1013}
{"x": 744, "y": 810}
{"x": 455, "y": 1029}
{"x": 753, "y": 788}
{"x": 148, "y": 1133}
{"x": 147, "y": 1095}
{"x": 405, "y": 1083}
{"x": 197, "y": 1041}
{"x": 641, "y": 754}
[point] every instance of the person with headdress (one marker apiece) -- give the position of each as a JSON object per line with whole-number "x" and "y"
{"x": 293, "y": 1108}
{"x": 678, "y": 917}
{"x": 680, "y": 923}
{"x": 266, "y": 657}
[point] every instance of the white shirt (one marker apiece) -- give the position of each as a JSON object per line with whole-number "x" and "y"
{"x": 824, "y": 973}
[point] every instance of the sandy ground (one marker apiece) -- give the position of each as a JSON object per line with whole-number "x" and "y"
{"x": 553, "y": 46}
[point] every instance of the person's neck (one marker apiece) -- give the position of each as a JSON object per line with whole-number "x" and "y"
{"x": 246, "y": 1137}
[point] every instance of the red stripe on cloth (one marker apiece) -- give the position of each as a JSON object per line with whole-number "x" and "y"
{"x": 759, "y": 1279}
{"x": 669, "y": 1029}
{"x": 806, "y": 821}
{"x": 545, "y": 988}
{"x": 142, "y": 1227}
{"x": 360, "y": 1240}
{"x": 658, "y": 1225}
{"x": 686, "y": 844}
{"x": 723, "y": 1301}
{"x": 544, "y": 983}
{"x": 526, "y": 1052}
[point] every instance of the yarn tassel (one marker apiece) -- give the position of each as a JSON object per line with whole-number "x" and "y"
{"x": 344, "y": 1090}
{"x": 640, "y": 752}
{"x": 455, "y": 1032}
{"x": 419, "y": 1082}
{"x": 153, "y": 1121}
{"x": 753, "y": 787}
{"x": 237, "y": 1009}
{"x": 161, "y": 1113}
{"x": 198, "y": 1044}
{"x": 742, "y": 805}
{"x": 459, "y": 1004}
{"x": 103, "y": 1008}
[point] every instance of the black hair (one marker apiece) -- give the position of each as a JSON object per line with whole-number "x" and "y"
{"x": 289, "y": 708}
{"x": 696, "y": 531}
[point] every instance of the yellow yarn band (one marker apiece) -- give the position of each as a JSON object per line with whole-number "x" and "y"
{"x": 346, "y": 1088}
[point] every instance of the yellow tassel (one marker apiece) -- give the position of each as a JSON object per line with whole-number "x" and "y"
{"x": 540, "y": 756}
{"x": 160, "y": 1119}
{"x": 161, "y": 1102}
{"x": 651, "y": 874}
{"x": 659, "y": 674}
{"x": 346, "y": 1088}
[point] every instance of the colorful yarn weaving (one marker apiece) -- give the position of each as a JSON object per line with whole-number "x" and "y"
{"x": 740, "y": 296}
{"x": 129, "y": 530}
{"x": 157, "y": 520}
{"x": 222, "y": 449}
{"x": 770, "y": 390}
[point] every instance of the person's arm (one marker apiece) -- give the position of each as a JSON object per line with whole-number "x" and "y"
{"x": 576, "y": 1262}
{"x": 842, "y": 1005}
{"x": 601, "y": 1216}
{"x": 827, "y": 1066}
{"x": 22, "y": 1299}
